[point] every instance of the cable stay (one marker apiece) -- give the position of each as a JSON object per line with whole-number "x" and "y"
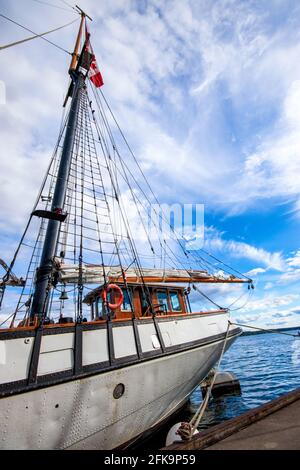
{"x": 99, "y": 283}
{"x": 42, "y": 2}
{"x": 104, "y": 233}
{"x": 36, "y": 35}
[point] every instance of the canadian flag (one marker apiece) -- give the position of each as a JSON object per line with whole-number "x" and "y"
{"x": 94, "y": 73}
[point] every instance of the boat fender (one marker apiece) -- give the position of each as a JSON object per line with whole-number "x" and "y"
{"x": 226, "y": 383}
{"x": 116, "y": 288}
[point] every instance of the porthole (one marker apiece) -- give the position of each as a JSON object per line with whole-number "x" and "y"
{"x": 119, "y": 391}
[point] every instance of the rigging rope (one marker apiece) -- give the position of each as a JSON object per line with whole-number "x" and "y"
{"x": 244, "y": 304}
{"x": 224, "y": 264}
{"x": 70, "y": 6}
{"x": 132, "y": 244}
{"x": 267, "y": 330}
{"x": 104, "y": 143}
{"x": 53, "y": 162}
{"x": 206, "y": 296}
{"x": 88, "y": 178}
{"x": 55, "y": 6}
{"x": 187, "y": 430}
{"x": 173, "y": 257}
{"x": 195, "y": 256}
{"x": 36, "y": 34}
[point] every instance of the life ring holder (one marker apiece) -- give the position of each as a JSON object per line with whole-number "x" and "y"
{"x": 108, "y": 289}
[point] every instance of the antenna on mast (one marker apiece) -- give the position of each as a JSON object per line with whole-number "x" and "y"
{"x": 81, "y": 12}
{"x": 75, "y": 54}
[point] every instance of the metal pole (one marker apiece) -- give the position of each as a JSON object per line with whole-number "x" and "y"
{"x": 43, "y": 276}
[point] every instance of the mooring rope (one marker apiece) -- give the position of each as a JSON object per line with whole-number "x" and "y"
{"x": 186, "y": 430}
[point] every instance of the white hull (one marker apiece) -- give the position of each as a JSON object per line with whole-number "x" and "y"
{"x": 82, "y": 413}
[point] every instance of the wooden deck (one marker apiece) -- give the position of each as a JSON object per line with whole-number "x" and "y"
{"x": 275, "y": 425}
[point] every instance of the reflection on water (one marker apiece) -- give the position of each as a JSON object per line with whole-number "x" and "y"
{"x": 267, "y": 366}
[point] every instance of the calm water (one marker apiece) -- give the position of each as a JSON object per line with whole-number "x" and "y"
{"x": 267, "y": 366}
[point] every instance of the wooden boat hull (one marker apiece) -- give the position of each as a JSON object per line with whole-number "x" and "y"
{"x": 87, "y": 413}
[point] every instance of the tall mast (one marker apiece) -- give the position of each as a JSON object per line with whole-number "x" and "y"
{"x": 45, "y": 270}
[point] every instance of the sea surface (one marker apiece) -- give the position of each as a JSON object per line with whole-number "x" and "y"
{"x": 267, "y": 365}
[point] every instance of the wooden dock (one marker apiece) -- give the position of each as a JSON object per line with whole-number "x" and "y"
{"x": 274, "y": 425}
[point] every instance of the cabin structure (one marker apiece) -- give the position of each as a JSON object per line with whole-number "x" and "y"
{"x": 165, "y": 300}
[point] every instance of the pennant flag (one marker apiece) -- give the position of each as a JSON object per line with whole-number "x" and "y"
{"x": 94, "y": 73}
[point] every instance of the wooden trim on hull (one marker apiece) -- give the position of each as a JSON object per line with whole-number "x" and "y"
{"x": 12, "y": 333}
{"x": 48, "y": 380}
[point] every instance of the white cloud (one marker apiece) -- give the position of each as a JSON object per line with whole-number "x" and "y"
{"x": 268, "y": 285}
{"x": 151, "y": 62}
{"x": 247, "y": 319}
{"x": 292, "y": 272}
{"x": 215, "y": 242}
{"x": 205, "y": 91}
{"x": 271, "y": 171}
{"x": 255, "y": 271}
{"x": 268, "y": 302}
{"x": 294, "y": 261}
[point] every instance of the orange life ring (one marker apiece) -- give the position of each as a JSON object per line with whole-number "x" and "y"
{"x": 116, "y": 288}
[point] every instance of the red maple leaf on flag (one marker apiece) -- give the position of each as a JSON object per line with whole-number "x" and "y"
{"x": 94, "y": 73}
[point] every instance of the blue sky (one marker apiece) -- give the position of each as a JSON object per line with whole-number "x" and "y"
{"x": 207, "y": 93}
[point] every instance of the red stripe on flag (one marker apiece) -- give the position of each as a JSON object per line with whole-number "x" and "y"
{"x": 94, "y": 73}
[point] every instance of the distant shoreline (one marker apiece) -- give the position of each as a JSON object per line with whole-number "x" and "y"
{"x": 248, "y": 333}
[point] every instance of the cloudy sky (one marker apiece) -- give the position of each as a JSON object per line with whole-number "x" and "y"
{"x": 207, "y": 93}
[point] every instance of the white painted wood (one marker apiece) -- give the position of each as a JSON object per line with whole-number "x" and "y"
{"x": 83, "y": 414}
{"x": 124, "y": 342}
{"x": 166, "y": 338}
{"x": 55, "y": 361}
{"x": 2, "y": 352}
{"x": 146, "y": 330}
{"x": 56, "y": 354}
{"x": 191, "y": 329}
{"x": 15, "y": 359}
{"x": 94, "y": 346}
{"x": 57, "y": 342}
{"x": 155, "y": 341}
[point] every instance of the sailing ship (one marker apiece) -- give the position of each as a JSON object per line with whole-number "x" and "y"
{"x": 103, "y": 345}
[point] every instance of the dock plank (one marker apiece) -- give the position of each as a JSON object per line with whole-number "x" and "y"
{"x": 274, "y": 425}
{"x": 278, "y": 431}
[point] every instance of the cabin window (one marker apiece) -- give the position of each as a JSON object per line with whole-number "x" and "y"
{"x": 162, "y": 299}
{"x": 100, "y": 307}
{"x": 175, "y": 303}
{"x": 126, "y": 300}
{"x": 144, "y": 304}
